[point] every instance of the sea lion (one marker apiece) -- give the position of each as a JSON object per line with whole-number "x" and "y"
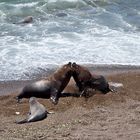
{"x": 85, "y": 80}
{"x": 51, "y": 87}
{"x": 61, "y": 14}
{"x": 37, "y": 112}
{"x": 98, "y": 82}
{"x": 81, "y": 75}
{"x": 26, "y": 20}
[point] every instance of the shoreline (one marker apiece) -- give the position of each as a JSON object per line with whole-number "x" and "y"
{"x": 8, "y": 87}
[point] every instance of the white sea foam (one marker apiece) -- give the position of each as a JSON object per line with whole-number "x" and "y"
{"x": 115, "y": 47}
{"x": 85, "y": 35}
{"x": 21, "y": 5}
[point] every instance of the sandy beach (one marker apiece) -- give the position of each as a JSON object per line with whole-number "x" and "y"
{"x": 113, "y": 116}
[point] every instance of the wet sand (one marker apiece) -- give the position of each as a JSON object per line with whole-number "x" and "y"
{"x": 101, "y": 117}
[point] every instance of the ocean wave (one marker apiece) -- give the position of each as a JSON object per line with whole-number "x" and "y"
{"x": 21, "y": 5}
{"x": 82, "y": 31}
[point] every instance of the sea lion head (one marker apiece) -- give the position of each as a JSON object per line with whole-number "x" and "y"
{"x": 32, "y": 100}
{"x": 64, "y": 72}
{"x": 63, "y": 75}
{"x": 28, "y": 19}
{"x": 81, "y": 75}
{"x": 67, "y": 68}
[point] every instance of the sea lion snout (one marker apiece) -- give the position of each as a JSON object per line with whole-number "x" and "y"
{"x": 75, "y": 68}
{"x": 32, "y": 100}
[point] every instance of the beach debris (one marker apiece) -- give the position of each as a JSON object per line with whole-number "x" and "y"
{"x": 115, "y": 86}
{"x": 17, "y": 113}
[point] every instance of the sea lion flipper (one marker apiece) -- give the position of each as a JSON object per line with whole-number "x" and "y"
{"x": 54, "y": 96}
{"x": 112, "y": 89}
{"x": 21, "y": 122}
{"x": 49, "y": 112}
{"x": 18, "y": 100}
{"x": 81, "y": 94}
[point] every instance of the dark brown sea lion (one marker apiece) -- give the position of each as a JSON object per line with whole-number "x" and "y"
{"x": 81, "y": 75}
{"x": 85, "y": 80}
{"x": 26, "y": 20}
{"x": 51, "y": 87}
{"x": 98, "y": 82}
{"x": 37, "y": 112}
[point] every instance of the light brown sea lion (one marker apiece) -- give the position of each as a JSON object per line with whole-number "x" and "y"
{"x": 26, "y": 20}
{"x": 37, "y": 112}
{"x": 84, "y": 80}
{"x": 51, "y": 87}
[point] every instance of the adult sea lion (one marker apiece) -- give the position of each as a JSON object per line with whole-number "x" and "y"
{"x": 37, "y": 112}
{"x": 81, "y": 75}
{"x": 51, "y": 87}
{"x": 85, "y": 80}
{"x": 26, "y": 20}
{"x": 98, "y": 82}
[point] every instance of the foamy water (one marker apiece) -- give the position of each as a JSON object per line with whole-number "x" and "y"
{"x": 82, "y": 31}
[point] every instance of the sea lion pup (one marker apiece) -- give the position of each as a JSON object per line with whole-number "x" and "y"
{"x": 37, "y": 112}
{"x": 51, "y": 87}
{"x": 85, "y": 80}
{"x": 26, "y": 20}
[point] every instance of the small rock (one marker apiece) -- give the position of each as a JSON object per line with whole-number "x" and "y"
{"x": 17, "y": 113}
